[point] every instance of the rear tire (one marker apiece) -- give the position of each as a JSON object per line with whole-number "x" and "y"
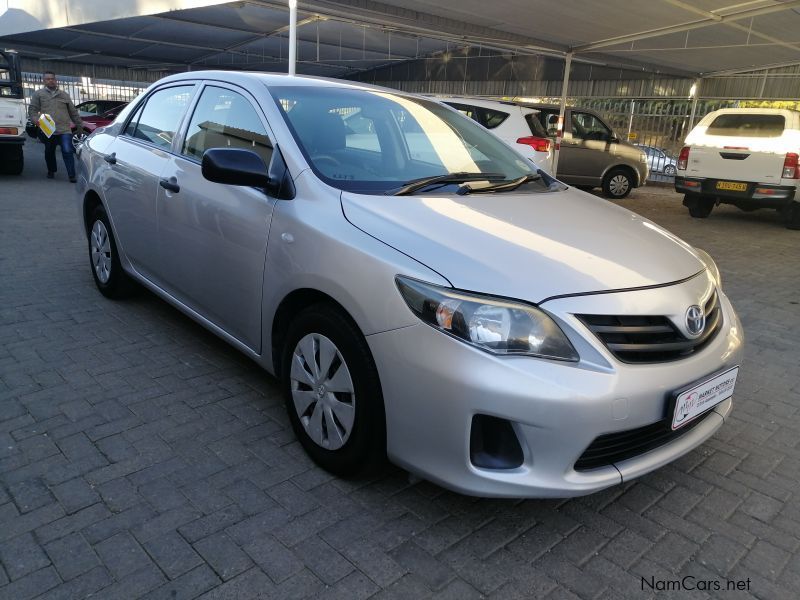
{"x": 792, "y": 216}
{"x": 104, "y": 261}
{"x": 333, "y": 393}
{"x": 699, "y": 206}
{"x": 617, "y": 184}
{"x": 670, "y": 170}
{"x": 12, "y": 160}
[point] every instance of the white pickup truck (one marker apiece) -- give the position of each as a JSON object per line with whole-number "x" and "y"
{"x": 748, "y": 157}
{"x": 12, "y": 114}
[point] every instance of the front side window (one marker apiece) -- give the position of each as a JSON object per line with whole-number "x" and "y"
{"x": 161, "y": 115}
{"x": 589, "y": 127}
{"x": 372, "y": 142}
{"x": 225, "y": 119}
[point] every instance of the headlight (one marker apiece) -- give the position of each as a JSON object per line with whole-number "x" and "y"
{"x": 496, "y": 326}
{"x": 642, "y": 157}
{"x": 711, "y": 266}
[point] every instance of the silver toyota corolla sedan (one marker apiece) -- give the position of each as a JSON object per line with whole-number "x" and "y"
{"x": 421, "y": 290}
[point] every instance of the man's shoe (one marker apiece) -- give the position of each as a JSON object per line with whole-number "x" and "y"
{"x": 73, "y": 180}
{"x": 50, "y": 174}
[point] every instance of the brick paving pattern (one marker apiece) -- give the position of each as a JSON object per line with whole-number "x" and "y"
{"x": 142, "y": 457}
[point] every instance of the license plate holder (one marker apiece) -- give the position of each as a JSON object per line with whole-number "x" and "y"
{"x": 689, "y": 403}
{"x": 731, "y": 186}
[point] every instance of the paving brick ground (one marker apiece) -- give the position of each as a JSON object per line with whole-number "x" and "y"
{"x": 142, "y": 457}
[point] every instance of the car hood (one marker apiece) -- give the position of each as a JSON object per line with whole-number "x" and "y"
{"x": 524, "y": 245}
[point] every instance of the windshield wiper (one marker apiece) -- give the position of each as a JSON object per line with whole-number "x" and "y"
{"x": 506, "y": 186}
{"x": 460, "y": 177}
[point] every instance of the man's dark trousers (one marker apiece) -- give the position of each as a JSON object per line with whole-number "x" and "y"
{"x": 67, "y": 152}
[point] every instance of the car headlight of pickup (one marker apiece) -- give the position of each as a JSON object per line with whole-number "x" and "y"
{"x": 495, "y": 325}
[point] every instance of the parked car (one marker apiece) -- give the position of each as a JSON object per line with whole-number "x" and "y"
{"x": 747, "y": 157}
{"x": 480, "y": 323}
{"x": 92, "y": 120}
{"x": 12, "y": 114}
{"x": 514, "y": 124}
{"x": 659, "y": 160}
{"x": 591, "y": 154}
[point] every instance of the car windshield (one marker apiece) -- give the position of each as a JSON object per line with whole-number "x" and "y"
{"x": 372, "y": 142}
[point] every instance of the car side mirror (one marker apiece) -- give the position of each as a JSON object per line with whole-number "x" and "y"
{"x": 613, "y": 139}
{"x": 235, "y": 166}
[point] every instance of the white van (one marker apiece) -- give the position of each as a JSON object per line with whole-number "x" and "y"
{"x": 747, "y": 157}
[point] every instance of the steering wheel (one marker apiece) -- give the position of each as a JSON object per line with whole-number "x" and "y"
{"x": 325, "y": 158}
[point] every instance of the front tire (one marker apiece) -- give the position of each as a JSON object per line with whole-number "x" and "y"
{"x": 617, "y": 184}
{"x": 670, "y": 170}
{"x": 107, "y": 271}
{"x": 333, "y": 393}
{"x": 699, "y": 206}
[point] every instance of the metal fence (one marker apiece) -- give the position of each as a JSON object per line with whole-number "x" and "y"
{"x": 81, "y": 89}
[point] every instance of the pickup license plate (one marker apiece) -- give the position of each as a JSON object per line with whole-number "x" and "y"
{"x": 702, "y": 397}
{"x": 733, "y": 186}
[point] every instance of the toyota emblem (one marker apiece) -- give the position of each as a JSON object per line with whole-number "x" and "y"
{"x": 695, "y": 320}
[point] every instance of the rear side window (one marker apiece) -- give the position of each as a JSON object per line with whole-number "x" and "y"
{"x": 161, "y": 115}
{"x": 487, "y": 117}
{"x": 535, "y": 125}
{"x": 747, "y": 125}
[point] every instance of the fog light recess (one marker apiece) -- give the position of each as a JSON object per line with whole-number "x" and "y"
{"x": 493, "y": 444}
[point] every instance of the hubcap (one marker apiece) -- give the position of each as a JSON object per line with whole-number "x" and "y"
{"x": 77, "y": 140}
{"x": 618, "y": 185}
{"x": 101, "y": 251}
{"x": 322, "y": 391}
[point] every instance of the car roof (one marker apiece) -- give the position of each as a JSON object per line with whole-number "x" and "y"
{"x": 276, "y": 79}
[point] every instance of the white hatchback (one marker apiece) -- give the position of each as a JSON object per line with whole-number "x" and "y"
{"x": 516, "y": 125}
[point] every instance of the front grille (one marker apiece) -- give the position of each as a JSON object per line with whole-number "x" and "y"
{"x": 615, "y": 447}
{"x": 652, "y": 339}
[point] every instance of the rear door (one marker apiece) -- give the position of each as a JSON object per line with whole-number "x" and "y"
{"x": 212, "y": 238}
{"x": 137, "y": 158}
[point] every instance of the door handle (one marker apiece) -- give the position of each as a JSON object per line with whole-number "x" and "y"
{"x": 170, "y": 184}
{"x": 110, "y": 158}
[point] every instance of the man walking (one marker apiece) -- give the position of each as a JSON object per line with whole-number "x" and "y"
{"x": 56, "y": 103}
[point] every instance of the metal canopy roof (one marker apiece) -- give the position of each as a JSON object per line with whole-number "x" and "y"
{"x": 337, "y": 37}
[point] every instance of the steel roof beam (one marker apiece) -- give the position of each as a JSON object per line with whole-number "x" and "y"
{"x": 709, "y": 19}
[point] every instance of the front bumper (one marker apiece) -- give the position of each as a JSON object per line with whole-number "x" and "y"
{"x": 433, "y": 385}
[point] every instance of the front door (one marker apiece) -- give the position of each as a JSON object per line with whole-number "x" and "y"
{"x": 213, "y": 237}
{"x": 590, "y": 149}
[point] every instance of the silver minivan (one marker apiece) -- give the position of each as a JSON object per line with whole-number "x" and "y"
{"x": 592, "y": 154}
{"x": 420, "y": 289}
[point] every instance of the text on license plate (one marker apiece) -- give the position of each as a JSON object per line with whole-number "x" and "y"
{"x": 703, "y": 396}
{"x": 733, "y": 186}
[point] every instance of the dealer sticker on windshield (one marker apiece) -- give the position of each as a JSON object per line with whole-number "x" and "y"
{"x": 700, "y": 398}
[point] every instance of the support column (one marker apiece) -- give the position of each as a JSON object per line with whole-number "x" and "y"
{"x": 695, "y": 96}
{"x": 292, "y": 37}
{"x": 561, "y": 112}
